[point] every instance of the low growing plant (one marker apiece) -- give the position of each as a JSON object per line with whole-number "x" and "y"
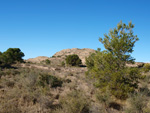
{"x": 45, "y": 79}
{"x": 73, "y": 60}
{"x": 63, "y": 63}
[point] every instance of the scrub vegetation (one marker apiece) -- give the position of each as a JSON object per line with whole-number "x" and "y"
{"x": 61, "y": 85}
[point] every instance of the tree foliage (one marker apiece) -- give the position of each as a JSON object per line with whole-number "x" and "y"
{"x": 73, "y": 60}
{"x": 120, "y": 42}
{"x": 11, "y": 56}
{"x": 146, "y": 67}
{"x": 108, "y": 67}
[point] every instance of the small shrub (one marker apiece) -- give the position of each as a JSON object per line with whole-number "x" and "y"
{"x": 70, "y": 74}
{"x": 53, "y": 56}
{"x": 140, "y": 65}
{"x": 45, "y": 79}
{"x": 73, "y": 60}
{"x": 67, "y": 80}
{"x": 47, "y": 61}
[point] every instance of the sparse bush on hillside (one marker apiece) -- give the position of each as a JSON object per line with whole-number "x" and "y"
{"x": 47, "y": 61}
{"x": 59, "y": 56}
{"x": 63, "y": 63}
{"x": 53, "y": 56}
{"x": 73, "y": 60}
{"x": 45, "y": 79}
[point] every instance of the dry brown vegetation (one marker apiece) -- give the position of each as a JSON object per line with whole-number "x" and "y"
{"x": 37, "y": 87}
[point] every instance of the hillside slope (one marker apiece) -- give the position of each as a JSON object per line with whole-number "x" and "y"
{"x": 61, "y": 55}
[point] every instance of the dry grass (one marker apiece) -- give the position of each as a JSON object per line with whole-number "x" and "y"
{"x": 20, "y": 86}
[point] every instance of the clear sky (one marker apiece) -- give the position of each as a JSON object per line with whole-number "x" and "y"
{"x": 44, "y": 27}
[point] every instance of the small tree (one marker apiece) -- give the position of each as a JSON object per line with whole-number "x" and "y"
{"x": 120, "y": 42}
{"x": 73, "y": 60}
{"x": 11, "y": 56}
{"x": 108, "y": 66}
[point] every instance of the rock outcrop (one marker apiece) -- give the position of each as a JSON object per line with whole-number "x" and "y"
{"x": 61, "y": 55}
{"x": 37, "y": 59}
{"x": 82, "y": 53}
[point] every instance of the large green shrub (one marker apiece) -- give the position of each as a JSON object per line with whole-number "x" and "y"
{"x": 73, "y": 60}
{"x": 108, "y": 66}
{"x": 11, "y": 56}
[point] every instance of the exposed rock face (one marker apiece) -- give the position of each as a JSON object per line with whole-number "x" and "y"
{"x": 38, "y": 59}
{"x": 61, "y": 55}
{"x": 82, "y": 53}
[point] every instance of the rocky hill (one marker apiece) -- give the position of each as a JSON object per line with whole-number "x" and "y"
{"x": 82, "y": 53}
{"x": 37, "y": 59}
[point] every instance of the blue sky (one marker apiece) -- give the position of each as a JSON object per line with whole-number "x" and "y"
{"x": 44, "y": 27}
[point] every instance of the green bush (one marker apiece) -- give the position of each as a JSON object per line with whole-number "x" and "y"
{"x": 146, "y": 67}
{"x": 45, "y": 79}
{"x": 73, "y": 60}
{"x": 47, "y": 61}
{"x": 11, "y": 56}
